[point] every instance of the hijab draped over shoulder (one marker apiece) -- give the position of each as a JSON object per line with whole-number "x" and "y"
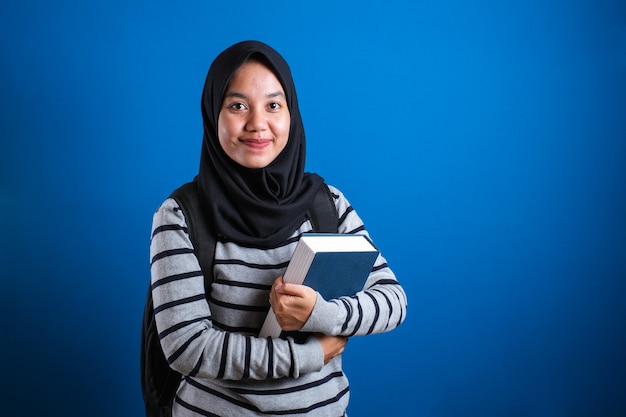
{"x": 258, "y": 207}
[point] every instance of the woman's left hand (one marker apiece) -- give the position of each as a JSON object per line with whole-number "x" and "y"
{"x": 292, "y": 304}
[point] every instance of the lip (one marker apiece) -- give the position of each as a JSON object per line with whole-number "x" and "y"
{"x": 257, "y": 143}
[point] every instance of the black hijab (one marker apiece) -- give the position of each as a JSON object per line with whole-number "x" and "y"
{"x": 258, "y": 207}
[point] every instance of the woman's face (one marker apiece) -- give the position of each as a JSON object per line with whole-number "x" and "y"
{"x": 253, "y": 124}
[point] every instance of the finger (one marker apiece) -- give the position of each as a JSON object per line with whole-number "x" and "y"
{"x": 277, "y": 283}
{"x": 295, "y": 290}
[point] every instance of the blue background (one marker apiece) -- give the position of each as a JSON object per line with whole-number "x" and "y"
{"x": 483, "y": 143}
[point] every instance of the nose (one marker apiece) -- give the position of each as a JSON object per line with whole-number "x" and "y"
{"x": 256, "y": 121}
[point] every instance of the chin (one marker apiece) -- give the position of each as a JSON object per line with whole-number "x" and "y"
{"x": 254, "y": 164}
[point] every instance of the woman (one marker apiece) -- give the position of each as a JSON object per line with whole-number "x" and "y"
{"x": 253, "y": 184}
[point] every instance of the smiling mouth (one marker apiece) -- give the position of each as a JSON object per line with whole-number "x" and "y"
{"x": 256, "y": 143}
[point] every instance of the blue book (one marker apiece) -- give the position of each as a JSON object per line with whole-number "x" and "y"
{"x": 335, "y": 265}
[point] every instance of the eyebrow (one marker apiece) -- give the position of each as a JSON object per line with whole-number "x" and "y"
{"x": 243, "y": 96}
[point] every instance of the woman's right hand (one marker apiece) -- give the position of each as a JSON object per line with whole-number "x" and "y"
{"x": 331, "y": 345}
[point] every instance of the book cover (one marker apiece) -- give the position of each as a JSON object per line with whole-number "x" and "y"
{"x": 335, "y": 265}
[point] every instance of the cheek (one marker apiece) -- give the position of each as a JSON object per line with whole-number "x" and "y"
{"x": 224, "y": 129}
{"x": 220, "y": 126}
{"x": 285, "y": 126}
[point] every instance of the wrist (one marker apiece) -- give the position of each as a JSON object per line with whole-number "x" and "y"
{"x": 325, "y": 317}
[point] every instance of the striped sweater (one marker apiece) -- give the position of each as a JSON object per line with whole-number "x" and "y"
{"x": 228, "y": 370}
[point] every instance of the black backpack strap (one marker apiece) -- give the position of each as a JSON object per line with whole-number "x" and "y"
{"x": 159, "y": 381}
{"x": 323, "y": 213}
{"x": 202, "y": 238}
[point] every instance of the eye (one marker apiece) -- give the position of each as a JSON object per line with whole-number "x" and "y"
{"x": 274, "y": 106}
{"x": 237, "y": 106}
